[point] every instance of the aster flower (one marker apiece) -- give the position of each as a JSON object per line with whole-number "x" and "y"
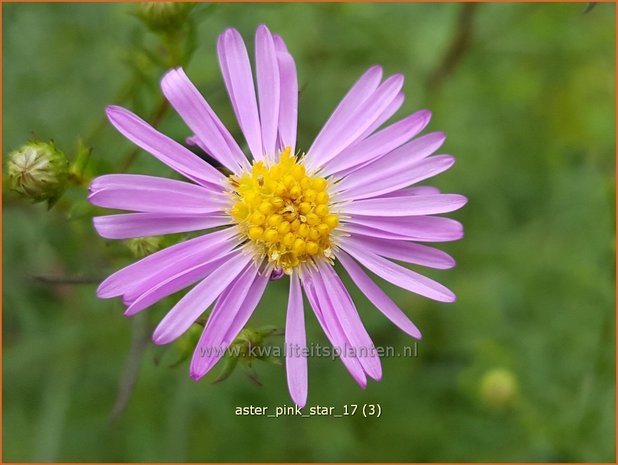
{"x": 287, "y": 211}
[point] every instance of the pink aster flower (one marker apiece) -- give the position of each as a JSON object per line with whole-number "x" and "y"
{"x": 346, "y": 199}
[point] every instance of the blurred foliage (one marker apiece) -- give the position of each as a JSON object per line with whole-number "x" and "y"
{"x": 526, "y": 94}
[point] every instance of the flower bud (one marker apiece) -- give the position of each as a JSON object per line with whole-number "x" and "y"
{"x": 499, "y": 388}
{"x": 164, "y": 16}
{"x": 249, "y": 346}
{"x": 38, "y": 171}
{"x": 142, "y": 246}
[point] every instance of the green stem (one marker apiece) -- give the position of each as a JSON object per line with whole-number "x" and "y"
{"x": 122, "y": 95}
{"x": 172, "y": 42}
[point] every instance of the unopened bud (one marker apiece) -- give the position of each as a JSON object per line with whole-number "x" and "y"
{"x": 499, "y": 388}
{"x": 143, "y": 246}
{"x": 249, "y": 346}
{"x": 164, "y": 16}
{"x": 38, "y": 171}
{"x": 185, "y": 345}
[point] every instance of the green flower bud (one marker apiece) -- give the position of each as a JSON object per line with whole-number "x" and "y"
{"x": 227, "y": 368}
{"x": 185, "y": 345}
{"x": 249, "y": 346}
{"x": 499, "y": 388}
{"x": 164, "y": 16}
{"x": 143, "y": 246}
{"x": 38, "y": 171}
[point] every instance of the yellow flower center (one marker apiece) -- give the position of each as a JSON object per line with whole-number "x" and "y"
{"x": 283, "y": 212}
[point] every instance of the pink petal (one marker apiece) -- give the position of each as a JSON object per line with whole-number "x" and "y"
{"x": 231, "y": 313}
{"x": 377, "y": 296}
{"x": 185, "y": 278}
{"x": 202, "y": 120}
{"x": 417, "y": 190}
{"x": 419, "y": 205}
{"x": 109, "y": 181}
{"x": 209, "y": 348}
{"x": 316, "y": 294}
{"x": 236, "y": 70}
{"x": 296, "y": 343}
{"x": 390, "y": 110}
{"x": 153, "y": 194}
{"x": 404, "y": 157}
{"x": 350, "y": 322}
{"x": 198, "y": 299}
{"x": 405, "y": 252}
{"x": 358, "y": 121}
{"x": 379, "y": 143}
{"x": 246, "y": 310}
{"x": 413, "y": 228}
{"x": 360, "y": 229}
{"x": 162, "y": 264}
{"x": 288, "y": 106}
{"x": 129, "y": 225}
{"x": 396, "y": 179}
{"x": 268, "y": 85}
{"x": 356, "y": 96}
{"x": 125, "y": 181}
{"x": 164, "y": 149}
{"x": 398, "y": 275}
{"x": 280, "y": 44}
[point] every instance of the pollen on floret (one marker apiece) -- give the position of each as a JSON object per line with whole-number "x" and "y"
{"x": 283, "y": 212}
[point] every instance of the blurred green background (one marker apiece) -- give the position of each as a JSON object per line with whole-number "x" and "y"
{"x": 521, "y": 368}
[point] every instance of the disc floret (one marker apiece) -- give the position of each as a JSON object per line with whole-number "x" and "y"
{"x": 283, "y": 212}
